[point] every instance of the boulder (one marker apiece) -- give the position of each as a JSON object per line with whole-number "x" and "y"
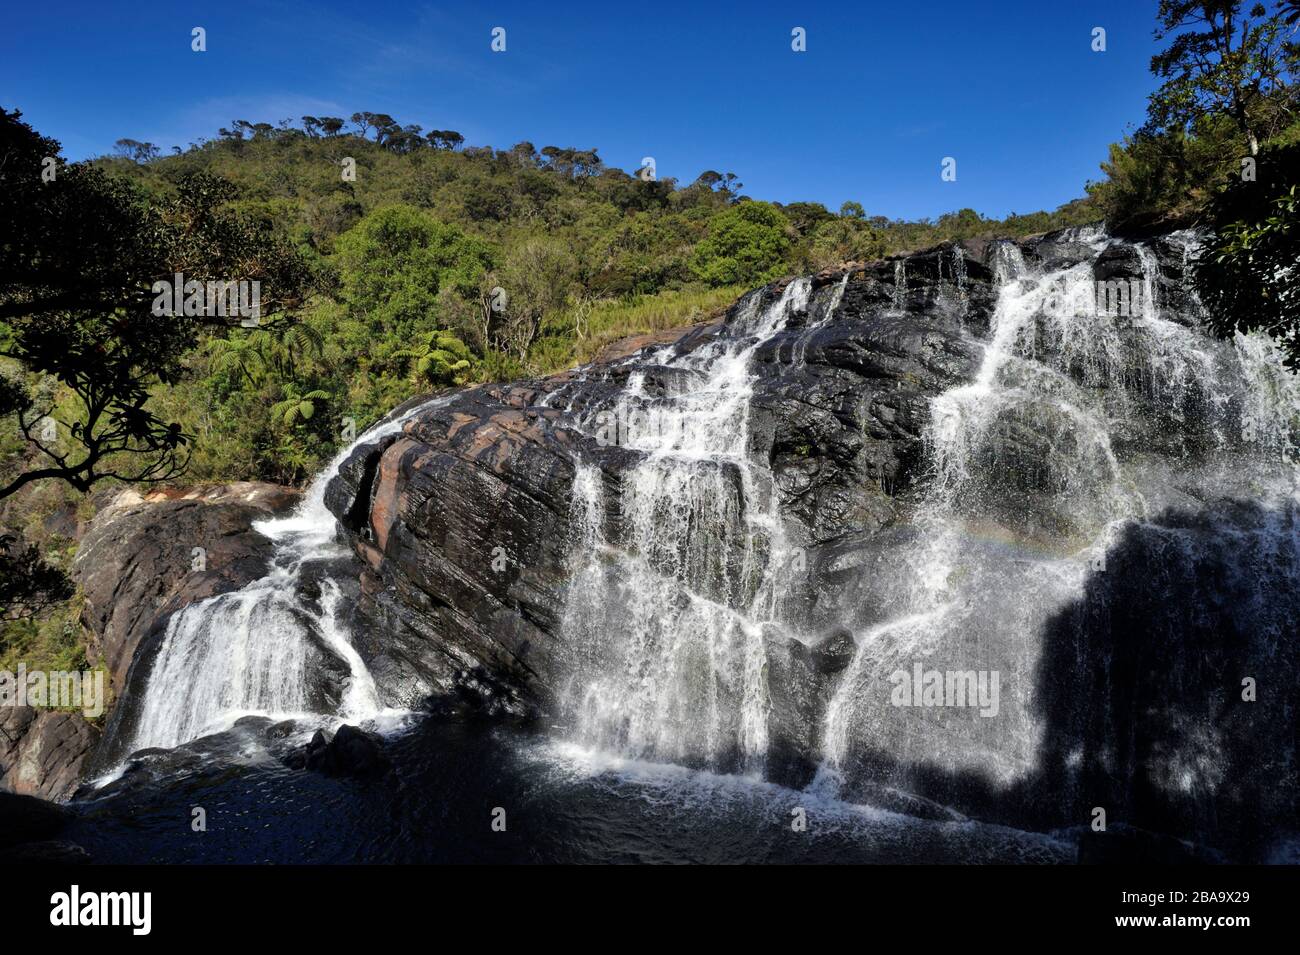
{"x": 43, "y": 752}
{"x": 351, "y": 751}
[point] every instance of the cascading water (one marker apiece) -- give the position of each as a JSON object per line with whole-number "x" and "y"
{"x": 959, "y": 280}
{"x": 939, "y": 582}
{"x": 836, "y": 297}
{"x": 900, "y": 285}
{"x": 673, "y": 584}
{"x": 267, "y": 648}
{"x": 1038, "y": 465}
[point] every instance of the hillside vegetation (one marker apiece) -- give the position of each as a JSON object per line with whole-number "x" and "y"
{"x": 407, "y": 253}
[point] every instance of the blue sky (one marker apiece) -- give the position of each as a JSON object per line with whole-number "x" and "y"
{"x": 885, "y": 91}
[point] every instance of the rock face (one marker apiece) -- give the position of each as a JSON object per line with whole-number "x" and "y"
{"x": 145, "y": 557}
{"x": 43, "y": 752}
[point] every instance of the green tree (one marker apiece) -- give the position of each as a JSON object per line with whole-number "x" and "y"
{"x": 439, "y": 358}
{"x": 239, "y": 355}
{"x": 1224, "y": 60}
{"x": 136, "y": 151}
{"x": 296, "y": 406}
{"x": 445, "y": 138}
{"x": 845, "y": 238}
{"x": 745, "y": 245}
{"x": 1248, "y": 272}
{"x": 396, "y": 259}
{"x": 537, "y": 276}
{"x": 80, "y": 258}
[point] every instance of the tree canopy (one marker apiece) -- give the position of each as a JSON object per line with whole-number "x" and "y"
{"x": 82, "y": 254}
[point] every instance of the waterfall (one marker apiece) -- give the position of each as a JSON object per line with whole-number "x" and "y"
{"x": 682, "y": 576}
{"x": 264, "y": 649}
{"x": 836, "y": 297}
{"x": 680, "y": 561}
{"x": 674, "y": 581}
{"x": 900, "y": 285}
{"x": 1008, "y": 262}
{"x": 959, "y": 280}
{"x": 1028, "y": 493}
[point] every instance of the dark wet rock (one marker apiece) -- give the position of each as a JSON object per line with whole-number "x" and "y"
{"x": 464, "y": 539}
{"x": 252, "y": 739}
{"x": 43, "y": 752}
{"x": 281, "y": 730}
{"x": 1058, "y": 250}
{"x": 850, "y": 415}
{"x": 28, "y": 827}
{"x": 795, "y": 689}
{"x": 626, "y": 347}
{"x": 28, "y": 819}
{"x": 54, "y": 852}
{"x": 834, "y": 652}
{"x": 137, "y": 562}
{"x": 351, "y": 751}
{"x": 1142, "y": 681}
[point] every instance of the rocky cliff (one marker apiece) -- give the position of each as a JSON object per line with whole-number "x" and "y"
{"x": 463, "y": 519}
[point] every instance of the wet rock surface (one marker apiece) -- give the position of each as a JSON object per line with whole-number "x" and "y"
{"x": 350, "y": 751}
{"x": 44, "y": 752}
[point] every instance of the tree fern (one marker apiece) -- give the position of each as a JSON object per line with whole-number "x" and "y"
{"x": 440, "y": 358}
{"x": 296, "y": 407}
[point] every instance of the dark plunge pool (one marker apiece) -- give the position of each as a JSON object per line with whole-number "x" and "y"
{"x": 450, "y": 781}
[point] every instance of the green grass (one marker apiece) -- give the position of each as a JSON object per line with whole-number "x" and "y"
{"x": 52, "y": 642}
{"x": 606, "y": 322}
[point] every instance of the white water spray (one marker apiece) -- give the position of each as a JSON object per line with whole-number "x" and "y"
{"x": 669, "y": 609}
{"x": 263, "y": 649}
